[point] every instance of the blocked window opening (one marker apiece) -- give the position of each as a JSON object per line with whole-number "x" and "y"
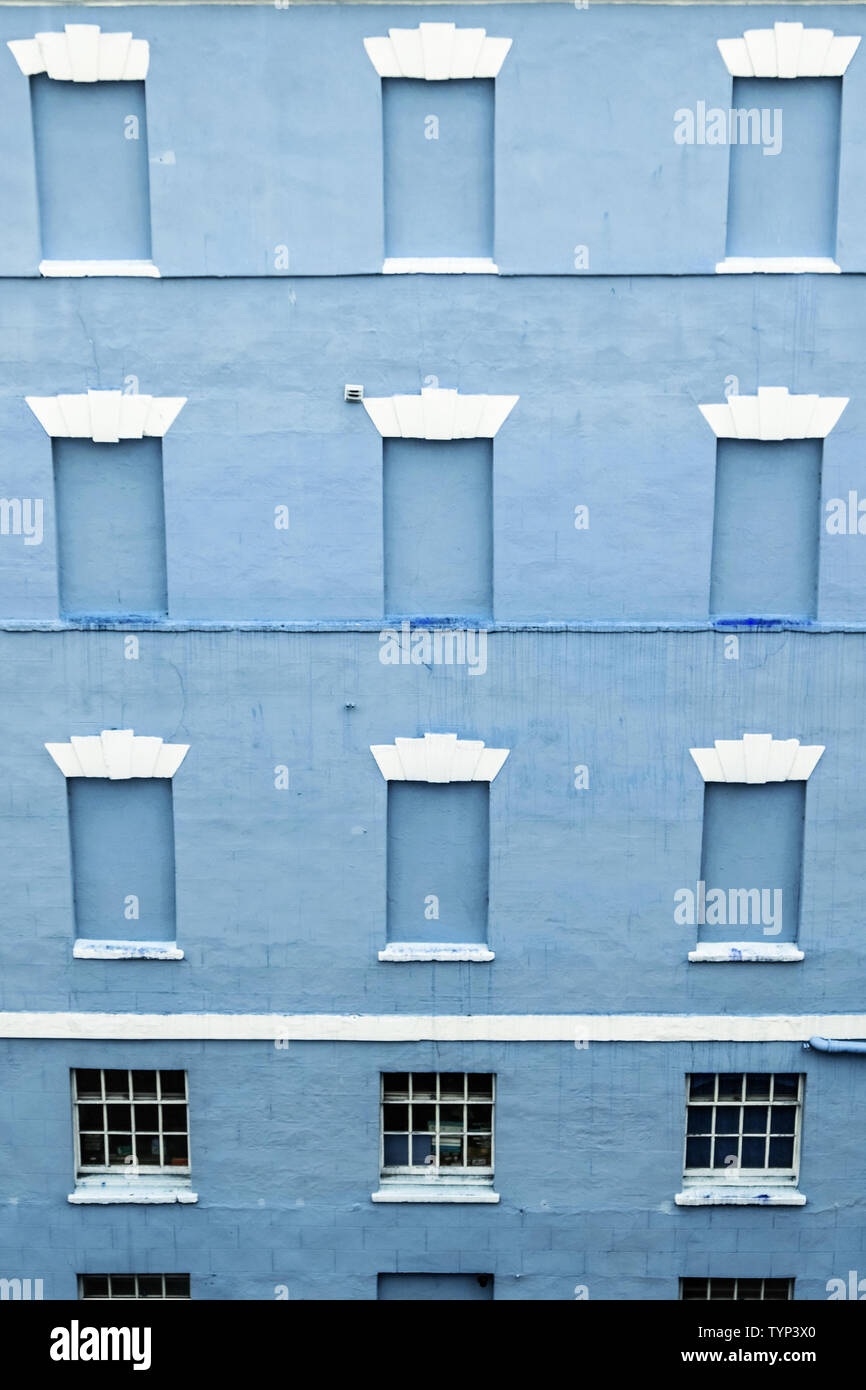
{"x": 438, "y": 167}
{"x": 439, "y": 1288}
{"x": 110, "y": 527}
{"x": 438, "y": 525}
{"x": 766, "y": 528}
{"x": 784, "y": 169}
{"x": 438, "y": 848}
{"x": 751, "y": 861}
{"x": 122, "y": 839}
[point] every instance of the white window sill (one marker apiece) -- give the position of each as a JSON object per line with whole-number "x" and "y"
{"x": 439, "y": 265}
{"x": 778, "y": 265}
{"x": 435, "y": 1192}
{"x": 141, "y": 1192}
{"x": 78, "y": 268}
{"x": 436, "y": 950}
{"x": 726, "y": 951}
{"x": 87, "y": 948}
{"x": 739, "y": 1195}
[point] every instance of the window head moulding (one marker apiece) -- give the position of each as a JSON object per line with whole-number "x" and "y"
{"x": 788, "y": 50}
{"x": 439, "y": 413}
{"x": 757, "y": 759}
{"x": 438, "y": 758}
{"x": 106, "y": 417}
{"x": 82, "y": 53}
{"x": 774, "y": 414}
{"x": 437, "y": 52}
{"x": 118, "y": 754}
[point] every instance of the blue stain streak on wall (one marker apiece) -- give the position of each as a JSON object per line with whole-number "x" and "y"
{"x": 92, "y": 177}
{"x": 110, "y": 526}
{"x": 438, "y": 167}
{"x": 122, "y": 842}
{"x": 784, "y": 203}
{"x": 438, "y": 526}
{"x": 753, "y": 839}
{"x": 767, "y": 528}
{"x": 438, "y": 845}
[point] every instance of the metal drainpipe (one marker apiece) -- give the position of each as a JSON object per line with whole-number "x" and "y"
{"x": 834, "y": 1045}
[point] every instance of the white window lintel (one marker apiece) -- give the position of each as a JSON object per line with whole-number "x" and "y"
{"x": 439, "y": 413}
{"x": 106, "y": 417}
{"x": 438, "y": 758}
{"x": 788, "y": 50}
{"x": 117, "y": 754}
{"x": 82, "y": 53}
{"x": 757, "y": 759}
{"x": 774, "y": 414}
{"x": 436, "y": 52}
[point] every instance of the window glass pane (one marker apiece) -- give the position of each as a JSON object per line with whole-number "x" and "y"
{"x": 423, "y": 1148}
{"x": 119, "y": 1147}
{"x": 144, "y": 1085}
{"x": 396, "y": 1150}
{"x": 784, "y": 1119}
{"x": 698, "y": 1153}
{"x": 117, "y": 1083}
{"x": 174, "y": 1118}
{"x": 722, "y": 1288}
{"x": 725, "y": 1151}
{"x": 693, "y": 1289}
{"x": 781, "y": 1153}
{"x": 395, "y": 1084}
{"x": 177, "y": 1286}
{"x": 451, "y": 1085}
{"x": 87, "y": 1083}
{"x": 728, "y": 1119}
{"x": 479, "y": 1117}
{"x": 753, "y": 1153}
{"x": 450, "y": 1150}
{"x": 90, "y": 1117}
{"x": 146, "y": 1117}
{"x": 396, "y": 1117}
{"x": 176, "y": 1150}
{"x": 150, "y": 1286}
{"x": 776, "y": 1290}
{"x": 94, "y": 1286}
{"x": 450, "y": 1117}
{"x": 702, "y": 1086}
{"x": 119, "y": 1116}
{"x": 756, "y": 1119}
{"x": 749, "y": 1290}
{"x": 700, "y": 1119}
{"x": 172, "y": 1083}
{"x": 730, "y": 1085}
{"x": 92, "y": 1150}
{"x": 480, "y": 1086}
{"x": 424, "y": 1085}
{"x": 423, "y": 1118}
{"x": 757, "y": 1086}
{"x": 785, "y": 1086}
{"x": 479, "y": 1151}
{"x": 123, "y": 1286}
{"x": 147, "y": 1149}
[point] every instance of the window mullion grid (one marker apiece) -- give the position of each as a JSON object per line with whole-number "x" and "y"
{"x": 159, "y": 1123}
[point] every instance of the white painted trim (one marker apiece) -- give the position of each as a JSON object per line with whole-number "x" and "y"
{"x": 435, "y": 1193}
{"x": 141, "y": 1196}
{"x": 439, "y": 413}
{"x": 435, "y": 950}
{"x": 91, "y": 948}
{"x": 439, "y": 265}
{"x": 438, "y": 758}
{"x": 774, "y": 414}
{"x": 788, "y": 50}
{"x": 740, "y": 1196}
{"x": 391, "y": 1027}
{"x": 83, "y": 54}
{"x": 75, "y": 269}
{"x": 778, "y": 265}
{"x": 106, "y": 417}
{"x": 757, "y": 759}
{"x": 118, "y": 754}
{"x": 436, "y": 52}
{"x": 724, "y": 952}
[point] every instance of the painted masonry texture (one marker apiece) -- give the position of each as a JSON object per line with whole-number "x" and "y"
{"x": 264, "y": 129}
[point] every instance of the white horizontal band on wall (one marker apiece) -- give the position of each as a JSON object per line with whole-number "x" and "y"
{"x": 438, "y": 758}
{"x": 774, "y": 414}
{"x": 106, "y": 417}
{"x": 439, "y": 413}
{"x": 437, "y": 52}
{"x": 382, "y": 1028}
{"x": 757, "y": 759}
{"x": 788, "y": 50}
{"x": 117, "y": 754}
{"x": 82, "y": 53}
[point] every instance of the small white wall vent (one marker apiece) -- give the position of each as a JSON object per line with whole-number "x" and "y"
{"x": 438, "y": 758}
{"x": 117, "y": 754}
{"x": 788, "y": 50}
{"x": 439, "y": 413}
{"x": 757, "y": 759}
{"x": 82, "y": 53}
{"x": 437, "y": 52}
{"x": 106, "y": 417}
{"x": 353, "y": 393}
{"x": 774, "y": 414}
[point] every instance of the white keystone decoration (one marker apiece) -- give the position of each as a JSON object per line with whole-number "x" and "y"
{"x": 774, "y": 414}
{"x": 117, "y": 754}
{"x": 437, "y": 52}
{"x": 788, "y": 50}
{"x": 106, "y": 417}
{"x": 82, "y": 53}
{"x": 439, "y": 414}
{"x": 757, "y": 759}
{"x": 438, "y": 758}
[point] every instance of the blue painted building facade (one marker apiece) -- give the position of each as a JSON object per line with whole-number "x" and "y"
{"x": 260, "y": 582}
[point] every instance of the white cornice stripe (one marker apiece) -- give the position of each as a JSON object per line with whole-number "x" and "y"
{"x": 788, "y": 50}
{"x": 757, "y": 759}
{"x": 436, "y": 52}
{"x": 774, "y": 414}
{"x": 439, "y": 413}
{"x": 117, "y": 754}
{"x": 83, "y": 54}
{"x": 438, "y": 758}
{"x": 382, "y": 1028}
{"x": 106, "y": 417}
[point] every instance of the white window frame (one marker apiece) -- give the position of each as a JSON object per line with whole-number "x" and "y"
{"x": 435, "y": 1182}
{"x": 133, "y": 1181}
{"x": 112, "y": 1297}
{"x": 735, "y": 1175}
{"x": 709, "y": 1280}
